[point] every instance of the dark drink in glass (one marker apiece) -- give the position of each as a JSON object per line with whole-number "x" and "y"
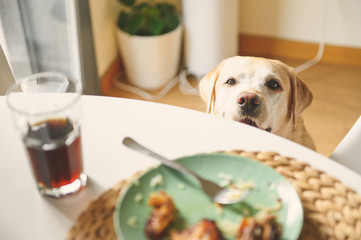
{"x": 54, "y": 149}
{"x": 46, "y": 109}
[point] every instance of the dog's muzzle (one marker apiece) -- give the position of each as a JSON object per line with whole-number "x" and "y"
{"x": 249, "y": 103}
{"x": 249, "y": 108}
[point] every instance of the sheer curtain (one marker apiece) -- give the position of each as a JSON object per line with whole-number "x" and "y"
{"x": 49, "y": 35}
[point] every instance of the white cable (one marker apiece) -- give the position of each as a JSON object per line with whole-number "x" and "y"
{"x": 142, "y": 93}
{"x": 321, "y": 46}
{"x": 184, "y": 86}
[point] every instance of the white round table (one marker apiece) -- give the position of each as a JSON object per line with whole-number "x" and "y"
{"x": 169, "y": 130}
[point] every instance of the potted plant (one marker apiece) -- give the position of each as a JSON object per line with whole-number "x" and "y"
{"x": 149, "y": 38}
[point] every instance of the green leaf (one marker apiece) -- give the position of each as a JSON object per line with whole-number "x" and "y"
{"x": 122, "y": 20}
{"x": 141, "y": 7}
{"x": 135, "y": 23}
{"x": 148, "y": 19}
{"x": 172, "y": 22}
{"x": 153, "y": 13}
{"x": 169, "y": 15}
{"x": 128, "y": 3}
{"x": 155, "y": 26}
{"x": 165, "y": 7}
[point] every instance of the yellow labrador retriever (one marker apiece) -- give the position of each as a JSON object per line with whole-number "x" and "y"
{"x": 260, "y": 92}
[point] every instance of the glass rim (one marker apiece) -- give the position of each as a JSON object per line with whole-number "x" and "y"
{"x": 78, "y": 91}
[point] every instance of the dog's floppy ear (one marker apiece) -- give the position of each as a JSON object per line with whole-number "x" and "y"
{"x": 300, "y": 97}
{"x": 207, "y": 87}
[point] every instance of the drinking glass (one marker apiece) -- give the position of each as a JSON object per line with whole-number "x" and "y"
{"x": 46, "y": 110}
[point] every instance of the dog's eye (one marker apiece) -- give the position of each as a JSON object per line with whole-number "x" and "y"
{"x": 273, "y": 84}
{"x": 231, "y": 81}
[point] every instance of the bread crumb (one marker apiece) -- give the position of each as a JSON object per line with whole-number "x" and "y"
{"x": 156, "y": 180}
{"x": 136, "y": 182}
{"x": 225, "y": 176}
{"x": 225, "y": 183}
{"x": 245, "y": 185}
{"x": 226, "y": 179}
{"x": 138, "y": 197}
{"x": 133, "y": 221}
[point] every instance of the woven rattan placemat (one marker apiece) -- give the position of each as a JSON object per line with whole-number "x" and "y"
{"x": 331, "y": 209}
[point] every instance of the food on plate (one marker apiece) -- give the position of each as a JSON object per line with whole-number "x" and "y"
{"x": 161, "y": 216}
{"x": 253, "y": 229}
{"x": 258, "y": 227}
{"x": 204, "y": 230}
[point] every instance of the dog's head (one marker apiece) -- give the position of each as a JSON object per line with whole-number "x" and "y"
{"x": 260, "y": 92}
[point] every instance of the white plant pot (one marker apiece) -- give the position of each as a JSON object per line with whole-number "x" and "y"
{"x": 150, "y": 61}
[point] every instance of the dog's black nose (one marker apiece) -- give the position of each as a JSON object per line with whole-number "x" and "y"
{"x": 249, "y": 101}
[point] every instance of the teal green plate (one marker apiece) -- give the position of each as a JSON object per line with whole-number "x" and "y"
{"x": 193, "y": 205}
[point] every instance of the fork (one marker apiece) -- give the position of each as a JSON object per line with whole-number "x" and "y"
{"x": 214, "y": 191}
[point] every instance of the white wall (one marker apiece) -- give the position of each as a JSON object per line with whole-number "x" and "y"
{"x": 301, "y": 20}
